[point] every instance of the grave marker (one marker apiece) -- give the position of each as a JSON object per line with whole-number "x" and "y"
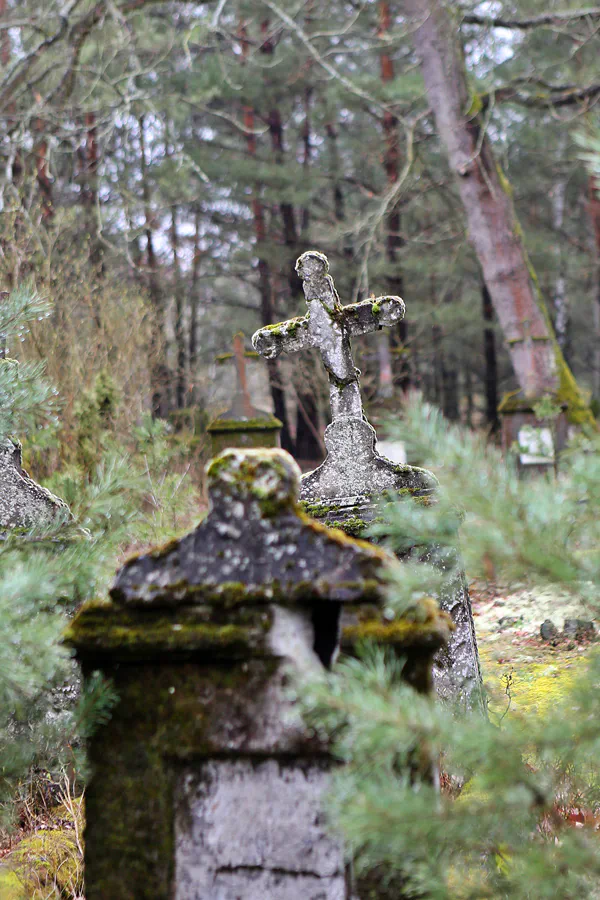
{"x": 344, "y": 490}
{"x": 206, "y": 783}
{"x": 23, "y": 502}
{"x": 242, "y": 425}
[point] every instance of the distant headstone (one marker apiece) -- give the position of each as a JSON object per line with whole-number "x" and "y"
{"x": 536, "y": 446}
{"x": 23, "y": 503}
{"x": 344, "y": 490}
{"x": 242, "y": 425}
{"x": 206, "y": 783}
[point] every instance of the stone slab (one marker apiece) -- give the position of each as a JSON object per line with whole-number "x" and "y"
{"x": 248, "y": 830}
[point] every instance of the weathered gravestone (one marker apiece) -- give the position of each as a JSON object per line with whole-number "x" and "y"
{"x": 23, "y": 503}
{"x": 344, "y": 490}
{"x": 206, "y": 784}
{"x": 537, "y": 445}
{"x": 242, "y": 425}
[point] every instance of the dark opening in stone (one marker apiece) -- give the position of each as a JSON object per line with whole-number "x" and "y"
{"x": 325, "y": 619}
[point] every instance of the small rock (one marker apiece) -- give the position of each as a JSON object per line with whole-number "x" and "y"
{"x": 580, "y": 629}
{"x": 509, "y": 622}
{"x": 548, "y": 630}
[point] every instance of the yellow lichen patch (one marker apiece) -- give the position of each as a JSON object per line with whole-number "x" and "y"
{"x": 526, "y": 687}
{"x": 10, "y": 886}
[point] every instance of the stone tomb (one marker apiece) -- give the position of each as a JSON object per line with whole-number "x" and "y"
{"x": 344, "y": 490}
{"x": 206, "y": 785}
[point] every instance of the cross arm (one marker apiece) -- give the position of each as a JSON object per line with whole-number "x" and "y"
{"x": 290, "y": 336}
{"x": 373, "y": 314}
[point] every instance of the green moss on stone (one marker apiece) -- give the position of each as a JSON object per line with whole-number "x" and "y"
{"x": 260, "y": 423}
{"x": 134, "y": 634}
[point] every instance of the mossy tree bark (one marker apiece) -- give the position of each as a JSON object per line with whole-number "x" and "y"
{"x": 494, "y": 230}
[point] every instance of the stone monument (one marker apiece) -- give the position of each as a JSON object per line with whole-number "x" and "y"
{"x": 344, "y": 490}
{"x": 23, "y": 503}
{"x": 206, "y": 783}
{"x": 242, "y": 425}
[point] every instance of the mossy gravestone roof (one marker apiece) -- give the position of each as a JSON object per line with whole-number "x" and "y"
{"x": 254, "y": 549}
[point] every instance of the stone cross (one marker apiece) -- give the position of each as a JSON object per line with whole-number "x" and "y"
{"x": 328, "y": 326}
{"x": 242, "y": 425}
{"x": 241, "y": 402}
{"x": 346, "y": 489}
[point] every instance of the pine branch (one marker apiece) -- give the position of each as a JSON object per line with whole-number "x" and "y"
{"x": 549, "y": 19}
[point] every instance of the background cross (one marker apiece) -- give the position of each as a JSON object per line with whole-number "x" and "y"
{"x": 241, "y": 406}
{"x": 328, "y": 326}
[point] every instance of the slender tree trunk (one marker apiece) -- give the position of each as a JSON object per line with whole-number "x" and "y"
{"x": 470, "y": 405}
{"x": 194, "y": 303}
{"x": 265, "y": 288}
{"x": 180, "y": 347}
{"x": 90, "y": 193}
{"x": 594, "y": 209}
{"x": 40, "y": 153}
{"x": 493, "y": 228}
{"x": 491, "y": 366}
{"x": 158, "y": 369}
{"x": 561, "y": 301}
{"x": 398, "y": 335}
{"x": 339, "y": 204}
{"x": 307, "y": 446}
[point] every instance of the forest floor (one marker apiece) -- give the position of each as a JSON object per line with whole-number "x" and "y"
{"x": 521, "y": 671}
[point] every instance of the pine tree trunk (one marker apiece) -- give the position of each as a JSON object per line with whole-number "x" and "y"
{"x": 40, "y": 153}
{"x": 90, "y": 192}
{"x": 194, "y": 303}
{"x": 561, "y": 301}
{"x": 493, "y": 228}
{"x": 396, "y": 336}
{"x": 594, "y": 209}
{"x": 158, "y": 369}
{"x": 307, "y": 445}
{"x": 265, "y": 289}
{"x": 339, "y": 204}
{"x": 491, "y": 366}
{"x": 180, "y": 344}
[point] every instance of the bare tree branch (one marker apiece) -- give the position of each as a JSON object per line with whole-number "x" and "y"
{"x": 549, "y": 19}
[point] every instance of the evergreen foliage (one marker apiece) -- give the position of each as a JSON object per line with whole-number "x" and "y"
{"x": 46, "y": 572}
{"x": 509, "y": 833}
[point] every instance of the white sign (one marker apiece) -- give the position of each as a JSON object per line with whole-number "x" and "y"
{"x": 536, "y": 446}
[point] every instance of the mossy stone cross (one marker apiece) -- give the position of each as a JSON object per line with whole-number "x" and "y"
{"x": 328, "y": 326}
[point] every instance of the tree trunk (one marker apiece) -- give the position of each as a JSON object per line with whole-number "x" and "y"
{"x": 493, "y": 228}
{"x": 594, "y": 208}
{"x": 397, "y": 336}
{"x": 40, "y": 153}
{"x": 195, "y": 283}
{"x": 158, "y": 369}
{"x": 180, "y": 348}
{"x": 265, "y": 289}
{"x": 307, "y": 445}
{"x": 491, "y": 366}
{"x": 90, "y": 192}
{"x": 561, "y": 301}
{"x": 339, "y": 204}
